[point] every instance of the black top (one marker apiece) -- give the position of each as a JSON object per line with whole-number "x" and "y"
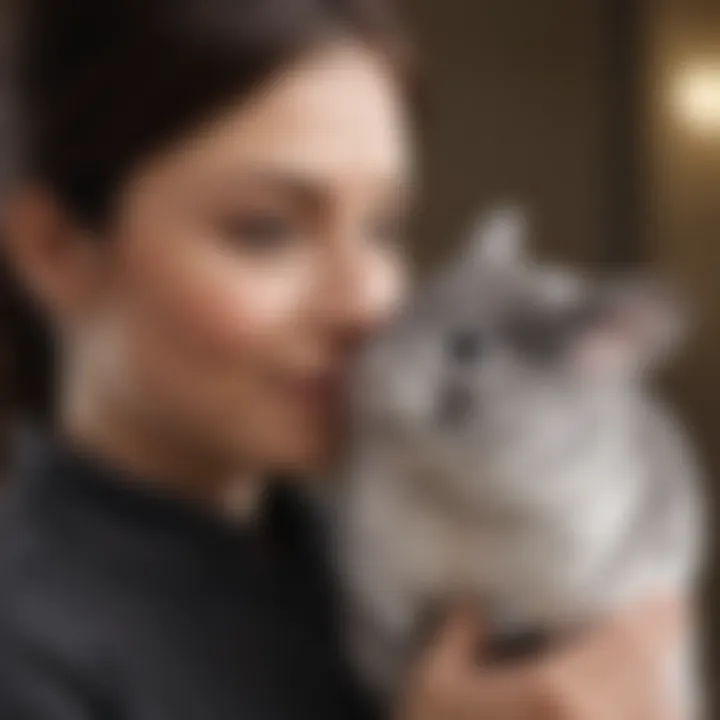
{"x": 118, "y": 604}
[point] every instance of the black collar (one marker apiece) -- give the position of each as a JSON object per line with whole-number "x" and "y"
{"x": 75, "y": 496}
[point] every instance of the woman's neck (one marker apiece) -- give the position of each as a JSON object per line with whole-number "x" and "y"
{"x": 148, "y": 454}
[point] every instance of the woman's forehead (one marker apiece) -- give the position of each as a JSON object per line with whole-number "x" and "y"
{"x": 337, "y": 118}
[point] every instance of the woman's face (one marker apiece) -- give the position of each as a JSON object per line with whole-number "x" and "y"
{"x": 249, "y": 264}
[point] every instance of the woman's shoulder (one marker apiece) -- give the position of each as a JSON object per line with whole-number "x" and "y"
{"x": 50, "y": 648}
{"x": 46, "y": 598}
{"x": 48, "y": 589}
{"x": 49, "y": 659}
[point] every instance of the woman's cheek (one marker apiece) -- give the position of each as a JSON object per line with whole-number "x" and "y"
{"x": 248, "y": 304}
{"x": 218, "y": 303}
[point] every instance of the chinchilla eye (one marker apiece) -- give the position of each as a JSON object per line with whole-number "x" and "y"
{"x": 544, "y": 336}
{"x": 465, "y": 346}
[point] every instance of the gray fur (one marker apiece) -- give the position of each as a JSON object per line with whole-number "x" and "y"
{"x": 494, "y": 457}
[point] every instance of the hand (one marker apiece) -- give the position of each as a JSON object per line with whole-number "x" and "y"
{"x": 618, "y": 671}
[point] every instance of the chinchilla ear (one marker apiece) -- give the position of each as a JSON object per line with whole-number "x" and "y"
{"x": 499, "y": 238}
{"x": 640, "y": 322}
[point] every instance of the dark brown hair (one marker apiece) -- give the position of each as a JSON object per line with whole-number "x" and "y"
{"x": 100, "y": 84}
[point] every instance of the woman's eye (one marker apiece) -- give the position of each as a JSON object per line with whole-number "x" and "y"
{"x": 260, "y": 232}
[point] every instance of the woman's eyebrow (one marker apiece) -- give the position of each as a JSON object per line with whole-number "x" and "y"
{"x": 302, "y": 188}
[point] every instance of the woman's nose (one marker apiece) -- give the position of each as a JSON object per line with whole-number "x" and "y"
{"x": 363, "y": 293}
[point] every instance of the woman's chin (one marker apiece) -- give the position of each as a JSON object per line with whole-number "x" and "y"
{"x": 310, "y": 451}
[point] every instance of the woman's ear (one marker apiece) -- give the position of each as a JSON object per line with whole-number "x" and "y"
{"x": 50, "y": 255}
{"x": 639, "y": 323}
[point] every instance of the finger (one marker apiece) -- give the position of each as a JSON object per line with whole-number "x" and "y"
{"x": 655, "y": 628}
{"x": 665, "y": 609}
{"x": 647, "y": 630}
{"x": 503, "y": 693}
{"x": 457, "y": 641}
{"x": 446, "y": 666}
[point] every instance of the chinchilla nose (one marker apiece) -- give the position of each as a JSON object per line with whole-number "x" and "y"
{"x": 455, "y": 405}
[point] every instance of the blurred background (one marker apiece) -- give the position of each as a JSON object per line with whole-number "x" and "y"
{"x": 603, "y": 116}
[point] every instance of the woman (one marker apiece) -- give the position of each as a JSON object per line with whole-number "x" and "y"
{"x": 208, "y": 226}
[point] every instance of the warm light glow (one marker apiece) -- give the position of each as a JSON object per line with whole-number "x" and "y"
{"x": 698, "y": 97}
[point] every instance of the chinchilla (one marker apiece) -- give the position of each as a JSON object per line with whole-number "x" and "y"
{"x": 509, "y": 447}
